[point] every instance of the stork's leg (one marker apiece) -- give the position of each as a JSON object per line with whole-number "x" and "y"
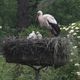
{"x": 50, "y": 34}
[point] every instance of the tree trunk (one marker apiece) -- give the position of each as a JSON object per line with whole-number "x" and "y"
{"x": 23, "y": 18}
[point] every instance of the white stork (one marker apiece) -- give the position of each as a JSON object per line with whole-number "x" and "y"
{"x": 48, "y": 21}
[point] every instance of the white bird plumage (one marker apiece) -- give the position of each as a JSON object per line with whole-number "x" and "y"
{"x": 32, "y": 35}
{"x": 48, "y": 21}
{"x": 50, "y": 18}
{"x": 39, "y": 36}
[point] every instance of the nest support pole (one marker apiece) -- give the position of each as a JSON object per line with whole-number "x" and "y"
{"x": 37, "y": 71}
{"x": 37, "y": 74}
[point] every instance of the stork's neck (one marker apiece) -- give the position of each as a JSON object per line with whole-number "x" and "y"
{"x": 40, "y": 16}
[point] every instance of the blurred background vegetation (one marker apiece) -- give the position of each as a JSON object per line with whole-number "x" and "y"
{"x": 66, "y": 12}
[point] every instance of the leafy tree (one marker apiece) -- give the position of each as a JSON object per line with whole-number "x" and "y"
{"x": 26, "y": 12}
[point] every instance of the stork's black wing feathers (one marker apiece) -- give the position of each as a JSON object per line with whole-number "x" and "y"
{"x": 55, "y": 29}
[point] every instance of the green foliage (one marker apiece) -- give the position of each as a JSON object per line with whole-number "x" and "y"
{"x": 31, "y": 28}
{"x": 8, "y": 13}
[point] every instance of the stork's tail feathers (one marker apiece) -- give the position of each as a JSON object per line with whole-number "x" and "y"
{"x": 55, "y": 29}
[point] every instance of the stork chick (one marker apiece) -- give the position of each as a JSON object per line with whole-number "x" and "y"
{"x": 32, "y": 35}
{"x": 39, "y": 36}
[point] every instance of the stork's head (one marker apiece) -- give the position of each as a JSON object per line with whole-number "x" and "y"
{"x": 37, "y": 32}
{"x": 39, "y": 13}
{"x": 33, "y": 31}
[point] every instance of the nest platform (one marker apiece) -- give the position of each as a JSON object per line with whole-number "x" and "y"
{"x": 45, "y": 52}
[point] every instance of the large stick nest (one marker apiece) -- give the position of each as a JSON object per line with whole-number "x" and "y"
{"x": 44, "y": 52}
